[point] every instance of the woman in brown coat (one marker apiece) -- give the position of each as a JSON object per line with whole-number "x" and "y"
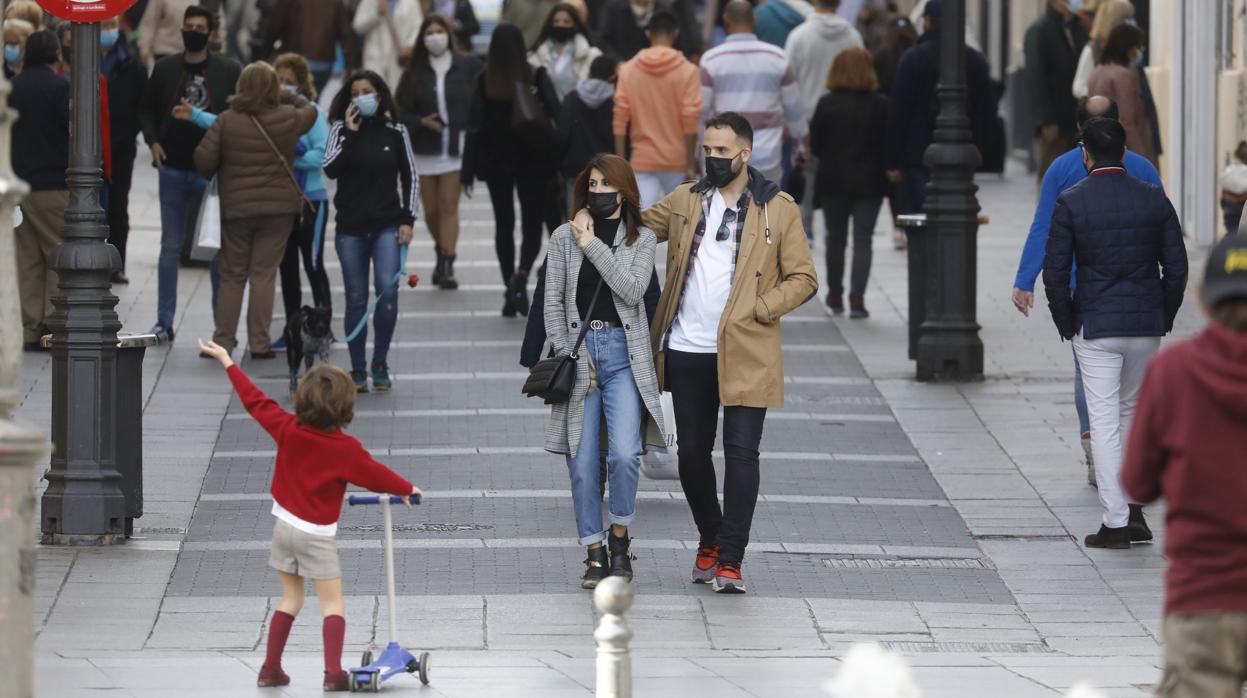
{"x": 259, "y": 196}
{"x": 1117, "y": 77}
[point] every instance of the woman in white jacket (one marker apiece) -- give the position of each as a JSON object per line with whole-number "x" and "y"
{"x": 380, "y": 22}
{"x": 564, "y": 48}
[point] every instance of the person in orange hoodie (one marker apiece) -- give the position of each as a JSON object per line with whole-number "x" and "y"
{"x": 657, "y": 103}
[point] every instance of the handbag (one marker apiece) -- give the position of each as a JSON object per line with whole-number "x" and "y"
{"x": 208, "y": 225}
{"x": 282, "y": 158}
{"x": 664, "y": 465}
{"x": 553, "y": 378}
{"x": 529, "y": 119}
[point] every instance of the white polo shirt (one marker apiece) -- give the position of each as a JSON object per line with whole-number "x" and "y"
{"x": 696, "y": 326}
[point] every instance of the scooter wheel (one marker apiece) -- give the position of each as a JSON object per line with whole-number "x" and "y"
{"x": 424, "y": 668}
{"x": 366, "y": 659}
{"x": 353, "y": 683}
{"x": 375, "y": 682}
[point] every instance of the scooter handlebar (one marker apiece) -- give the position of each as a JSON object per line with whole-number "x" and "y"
{"x": 359, "y": 499}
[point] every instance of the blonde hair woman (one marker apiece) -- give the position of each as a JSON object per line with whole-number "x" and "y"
{"x": 1108, "y": 16}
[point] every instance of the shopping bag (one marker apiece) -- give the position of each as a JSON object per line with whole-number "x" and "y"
{"x": 208, "y": 225}
{"x": 664, "y": 465}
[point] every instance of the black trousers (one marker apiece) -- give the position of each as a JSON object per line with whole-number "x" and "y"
{"x": 694, "y": 383}
{"x": 534, "y": 210}
{"x": 864, "y": 212}
{"x": 302, "y": 244}
{"x": 119, "y": 199}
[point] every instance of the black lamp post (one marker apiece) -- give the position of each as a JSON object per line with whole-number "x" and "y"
{"x": 950, "y": 348}
{"x": 83, "y": 503}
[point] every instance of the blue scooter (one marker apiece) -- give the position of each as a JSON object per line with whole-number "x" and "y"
{"x": 394, "y": 659}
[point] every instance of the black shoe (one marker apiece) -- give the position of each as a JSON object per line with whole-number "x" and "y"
{"x": 1111, "y": 538}
{"x": 595, "y": 568}
{"x": 508, "y": 308}
{"x": 439, "y": 271}
{"x": 448, "y": 282}
{"x": 119, "y": 278}
{"x": 857, "y": 309}
{"x": 164, "y": 335}
{"x": 517, "y": 292}
{"x": 264, "y": 354}
{"x": 1139, "y": 532}
{"x": 621, "y": 556}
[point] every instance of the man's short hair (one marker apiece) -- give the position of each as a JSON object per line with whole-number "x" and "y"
{"x": 1104, "y": 139}
{"x": 1085, "y": 115}
{"x": 738, "y": 12}
{"x": 42, "y": 48}
{"x": 197, "y": 11}
{"x": 663, "y": 23}
{"x": 738, "y": 124}
{"x": 603, "y": 67}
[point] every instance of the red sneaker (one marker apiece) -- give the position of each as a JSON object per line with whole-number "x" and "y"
{"x": 270, "y": 678}
{"x": 704, "y": 565}
{"x": 728, "y": 579}
{"x": 340, "y": 681}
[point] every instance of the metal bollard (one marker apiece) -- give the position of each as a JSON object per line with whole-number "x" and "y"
{"x": 612, "y": 597}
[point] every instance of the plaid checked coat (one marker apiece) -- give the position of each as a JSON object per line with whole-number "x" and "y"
{"x": 626, "y": 272}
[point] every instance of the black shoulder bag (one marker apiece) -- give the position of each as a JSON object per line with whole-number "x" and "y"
{"x": 553, "y": 378}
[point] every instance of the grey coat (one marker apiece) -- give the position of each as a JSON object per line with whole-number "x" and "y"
{"x": 627, "y": 273}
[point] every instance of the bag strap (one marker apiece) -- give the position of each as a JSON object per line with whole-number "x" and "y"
{"x": 584, "y": 322}
{"x": 284, "y": 164}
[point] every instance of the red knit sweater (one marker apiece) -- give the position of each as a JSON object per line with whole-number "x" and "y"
{"x": 313, "y": 466}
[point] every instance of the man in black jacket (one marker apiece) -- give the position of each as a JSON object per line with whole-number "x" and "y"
{"x": 205, "y": 80}
{"x": 1132, "y": 267}
{"x": 126, "y": 79}
{"x": 40, "y": 158}
{"x": 1053, "y": 45}
{"x": 584, "y": 122}
{"x": 621, "y": 27}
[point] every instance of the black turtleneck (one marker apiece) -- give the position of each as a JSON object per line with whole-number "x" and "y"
{"x": 604, "y": 230}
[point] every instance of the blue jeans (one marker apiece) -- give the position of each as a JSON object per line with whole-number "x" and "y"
{"x": 617, "y": 396}
{"x": 180, "y": 194}
{"x": 355, "y": 252}
{"x": 1080, "y": 400}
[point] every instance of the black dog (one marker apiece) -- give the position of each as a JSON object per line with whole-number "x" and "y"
{"x": 308, "y": 337}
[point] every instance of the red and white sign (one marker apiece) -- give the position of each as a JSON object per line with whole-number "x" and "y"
{"x": 86, "y": 10}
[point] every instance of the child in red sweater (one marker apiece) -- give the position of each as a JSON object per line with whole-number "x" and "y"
{"x": 1189, "y": 443}
{"x": 315, "y": 462}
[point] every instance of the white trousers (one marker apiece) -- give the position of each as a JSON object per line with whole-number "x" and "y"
{"x": 655, "y": 185}
{"x": 1112, "y": 371}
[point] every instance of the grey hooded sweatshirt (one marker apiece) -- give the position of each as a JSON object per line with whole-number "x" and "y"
{"x": 812, "y": 48}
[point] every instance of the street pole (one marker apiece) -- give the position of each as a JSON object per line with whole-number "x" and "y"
{"x": 950, "y": 348}
{"x": 20, "y": 449}
{"x": 83, "y": 504}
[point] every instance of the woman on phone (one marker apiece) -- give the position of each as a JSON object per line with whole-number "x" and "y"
{"x": 434, "y": 95}
{"x": 378, "y": 199}
{"x": 597, "y": 275}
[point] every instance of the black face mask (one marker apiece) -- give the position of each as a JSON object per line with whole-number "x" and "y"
{"x": 562, "y": 34}
{"x": 602, "y": 205}
{"x": 719, "y": 170}
{"x": 194, "y": 41}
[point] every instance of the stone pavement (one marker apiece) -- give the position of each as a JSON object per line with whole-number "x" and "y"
{"x": 942, "y": 521}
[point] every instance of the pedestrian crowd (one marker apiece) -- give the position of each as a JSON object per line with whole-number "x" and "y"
{"x": 717, "y": 127}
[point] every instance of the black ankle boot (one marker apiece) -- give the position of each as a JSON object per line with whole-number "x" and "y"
{"x": 595, "y": 568}
{"x": 439, "y": 271}
{"x": 448, "y": 281}
{"x": 1111, "y": 538}
{"x": 1139, "y": 531}
{"x": 621, "y": 556}
{"x": 517, "y": 292}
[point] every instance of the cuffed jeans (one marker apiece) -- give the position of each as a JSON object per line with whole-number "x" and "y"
{"x": 694, "y": 383}
{"x": 864, "y": 212}
{"x": 181, "y": 192}
{"x": 1112, "y": 373}
{"x": 356, "y": 252}
{"x": 617, "y": 397}
{"x": 656, "y": 185}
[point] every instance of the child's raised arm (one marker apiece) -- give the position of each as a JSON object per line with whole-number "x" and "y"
{"x": 369, "y": 473}
{"x": 263, "y": 409}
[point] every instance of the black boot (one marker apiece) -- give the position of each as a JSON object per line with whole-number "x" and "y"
{"x": 517, "y": 292}
{"x": 448, "y": 282}
{"x": 1139, "y": 532}
{"x": 621, "y": 556}
{"x": 439, "y": 271}
{"x": 595, "y": 568}
{"x": 1111, "y": 538}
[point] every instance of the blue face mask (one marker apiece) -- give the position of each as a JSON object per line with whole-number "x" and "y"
{"x": 1137, "y": 61}
{"x": 1075, "y": 6}
{"x": 12, "y": 53}
{"x": 109, "y": 37}
{"x": 366, "y": 104}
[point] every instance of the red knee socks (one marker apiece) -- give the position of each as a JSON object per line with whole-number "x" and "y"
{"x": 334, "y": 632}
{"x": 278, "y": 632}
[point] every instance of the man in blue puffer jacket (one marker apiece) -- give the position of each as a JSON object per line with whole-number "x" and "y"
{"x": 1132, "y": 268}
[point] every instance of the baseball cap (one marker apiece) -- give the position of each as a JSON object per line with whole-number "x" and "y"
{"x": 933, "y": 9}
{"x": 1225, "y": 277}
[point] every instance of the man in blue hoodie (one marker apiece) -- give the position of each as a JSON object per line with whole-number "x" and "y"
{"x": 1066, "y": 171}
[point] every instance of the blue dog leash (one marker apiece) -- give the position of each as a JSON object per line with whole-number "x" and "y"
{"x": 363, "y": 322}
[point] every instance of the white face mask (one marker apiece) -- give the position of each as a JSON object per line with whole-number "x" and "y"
{"x": 437, "y": 43}
{"x": 640, "y": 11}
{"x": 289, "y": 89}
